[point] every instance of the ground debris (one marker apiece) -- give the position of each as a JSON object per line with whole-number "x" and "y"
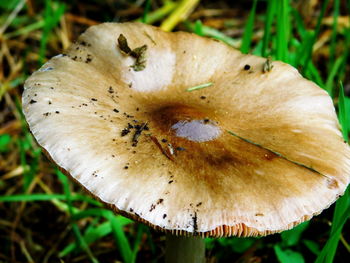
{"x": 138, "y": 53}
{"x": 166, "y": 151}
{"x": 267, "y": 67}
{"x": 138, "y": 132}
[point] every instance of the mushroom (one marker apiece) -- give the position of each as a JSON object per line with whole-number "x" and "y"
{"x": 187, "y": 134}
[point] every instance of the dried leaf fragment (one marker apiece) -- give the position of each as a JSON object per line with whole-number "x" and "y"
{"x": 138, "y": 53}
{"x": 267, "y": 65}
{"x": 123, "y": 44}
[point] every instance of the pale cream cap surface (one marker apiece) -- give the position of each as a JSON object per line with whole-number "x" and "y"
{"x": 252, "y": 154}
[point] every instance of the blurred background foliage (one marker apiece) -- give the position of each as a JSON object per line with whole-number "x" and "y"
{"x": 45, "y": 218}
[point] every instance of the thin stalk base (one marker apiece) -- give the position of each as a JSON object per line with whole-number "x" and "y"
{"x": 184, "y": 249}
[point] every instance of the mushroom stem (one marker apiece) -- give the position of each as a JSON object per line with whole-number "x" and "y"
{"x": 184, "y": 249}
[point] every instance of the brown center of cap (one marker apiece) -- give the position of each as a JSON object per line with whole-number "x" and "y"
{"x": 187, "y": 122}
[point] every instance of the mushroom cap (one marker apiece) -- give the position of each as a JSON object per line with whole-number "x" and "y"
{"x": 253, "y": 153}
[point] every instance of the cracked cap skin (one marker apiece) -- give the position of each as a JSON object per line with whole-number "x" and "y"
{"x": 254, "y": 153}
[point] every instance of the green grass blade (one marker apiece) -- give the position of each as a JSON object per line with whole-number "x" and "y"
{"x": 292, "y": 237}
{"x": 5, "y": 140}
{"x": 198, "y": 28}
{"x": 283, "y": 30}
{"x": 182, "y": 10}
{"x": 9, "y": 4}
{"x": 302, "y": 50}
{"x": 257, "y": 50}
{"x": 346, "y": 51}
{"x": 31, "y": 197}
{"x": 295, "y": 45}
{"x": 47, "y": 197}
{"x": 101, "y": 212}
{"x": 332, "y": 46}
{"x": 269, "y": 16}
{"x": 82, "y": 243}
{"x": 146, "y": 11}
{"x": 306, "y": 39}
{"x": 201, "y": 86}
{"x": 299, "y": 22}
{"x": 238, "y": 245}
{"x": 33, "y": 169}
{"x": 341, "y": 215}
{"x": 23, "y": 146}
{"x": 288, "y": 255}
{"x": 94, "y": 212}
{"x": 342, "y": 207}
{"x": 312, "y": 73}
{"x": 212, "y": 32}
{"x": 52, "y": 14}
{"x": 138, "y": 239}
{"x": 117, "y": 223}
{"x": 29, "y": 152}
{"x": 158, "y": 14}
{"x": 94, "y": 234}
{"x": 332, "y": 75}
{"x": 248, "y": 30}
{"x": 18, "y": 7}
{"x": 312, "y": 246}
{"x": 150, "y": 240}
{"x": 121, "y": 239}
{"x": 343, "y": 114}
{"x": 25, "y": 29}
{"x": 79, "y": 237}
{"x": 317, "y": 31}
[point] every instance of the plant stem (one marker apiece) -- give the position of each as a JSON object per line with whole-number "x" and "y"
{"x": 184, "y": 249}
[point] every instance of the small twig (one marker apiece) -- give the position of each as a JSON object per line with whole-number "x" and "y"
{"x": 81, "y": 20}
{"x": 26, "y": 252}
{"x": 165, "y": 152}
{"x": 345, "y": 243}
{"x": 19, "y": 170}
{"x": 150, "y": 38}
